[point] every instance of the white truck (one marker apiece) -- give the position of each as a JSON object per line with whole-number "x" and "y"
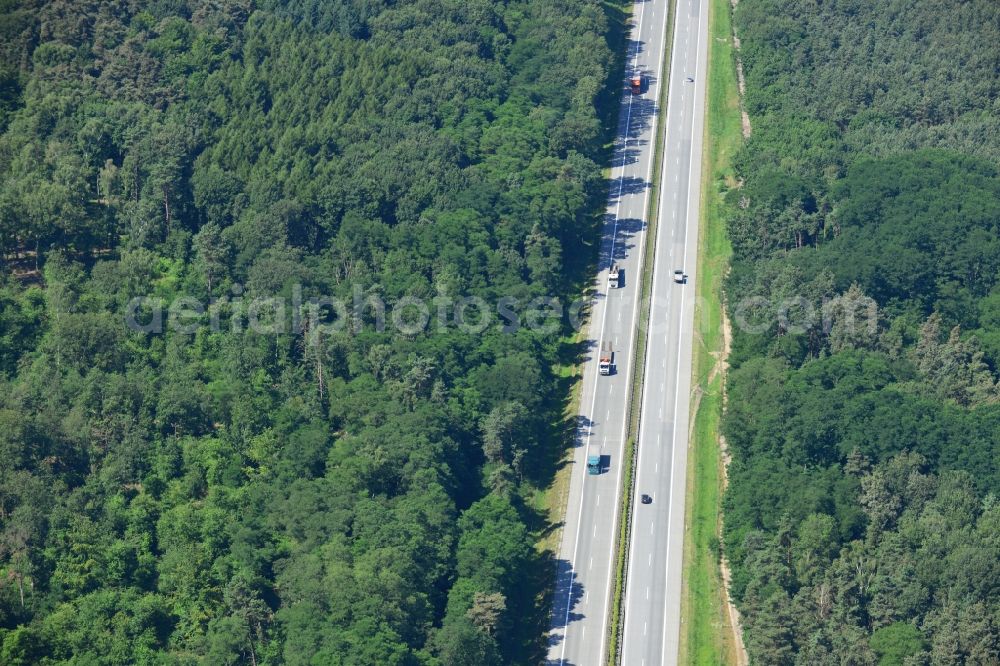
{"x": 614, "y": 277}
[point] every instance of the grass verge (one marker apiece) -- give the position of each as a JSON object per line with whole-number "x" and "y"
{"x": 550, "y": 502}
{"x": 707, "y": 635}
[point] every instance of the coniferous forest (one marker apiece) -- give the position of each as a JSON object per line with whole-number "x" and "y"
{"x": 862, "y": 518}
{"x": 214, "y": 495}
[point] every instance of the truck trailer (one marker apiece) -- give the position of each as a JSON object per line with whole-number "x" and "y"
{"x": 636, "y": 83}
{"x": 607, "y": 360}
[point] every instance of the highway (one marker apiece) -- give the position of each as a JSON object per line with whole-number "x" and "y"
{"x": 578, "y": 634}
{"x": 652, "y": 594}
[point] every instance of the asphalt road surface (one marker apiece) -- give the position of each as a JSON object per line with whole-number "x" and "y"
{"x": 652, "y": 593}
{"x": 578, "y": 635}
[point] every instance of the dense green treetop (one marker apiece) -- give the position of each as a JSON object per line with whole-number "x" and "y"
{"x": 300, "y": 497}
{"x": 864, "y": 407}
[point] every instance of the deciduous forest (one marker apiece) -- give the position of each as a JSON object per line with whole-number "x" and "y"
{"x": 862, "y": 518}
{"x": 220, "y": 496}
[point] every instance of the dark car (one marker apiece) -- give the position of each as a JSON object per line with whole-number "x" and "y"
{"x": 646, "y": 499}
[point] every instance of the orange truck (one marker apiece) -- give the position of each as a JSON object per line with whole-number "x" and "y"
{"x": 636, "y": 83}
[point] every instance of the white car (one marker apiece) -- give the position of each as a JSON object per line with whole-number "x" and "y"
{"x": 679, "y": 276}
